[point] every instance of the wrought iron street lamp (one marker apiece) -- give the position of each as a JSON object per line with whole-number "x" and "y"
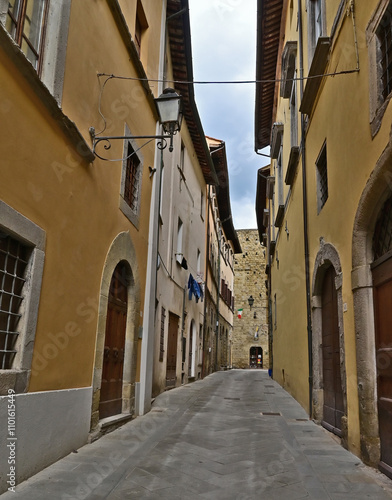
{"x": 251, "y": 301}
{"x": 169, "y": 106}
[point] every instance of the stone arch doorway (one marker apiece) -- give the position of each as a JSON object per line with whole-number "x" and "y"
{"x": 382, "y": 292}
{"x": 256, "y": 357}
{"x": 329, "y": 372}
{"x": 192, "y": 350}
{"x": 110, "y": 402}
{"x": 121, "y": 252}
{"x": 371, "y": 203}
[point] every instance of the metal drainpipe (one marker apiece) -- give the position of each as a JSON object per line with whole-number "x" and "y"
{"x": 217, "y": 302}
{"x": 205, "y": 281}
{"x": 305, "y": 215}
{"x": 270, "y": 324}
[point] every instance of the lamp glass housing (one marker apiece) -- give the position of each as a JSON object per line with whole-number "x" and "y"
{"x": 251, "y": 301}
{"x": 169, "y": 109}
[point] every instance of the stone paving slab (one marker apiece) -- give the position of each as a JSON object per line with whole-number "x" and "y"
{"x": 236, "y": 435}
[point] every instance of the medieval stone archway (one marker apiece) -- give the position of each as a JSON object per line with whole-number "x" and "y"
{"x": 377, "y": 190}
{"x": 328, "y": 264}
{"x": 121, "y": 250}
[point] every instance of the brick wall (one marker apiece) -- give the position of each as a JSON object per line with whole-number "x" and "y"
{"x": 250, "y": 277}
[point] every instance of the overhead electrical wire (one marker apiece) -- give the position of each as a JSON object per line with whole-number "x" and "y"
{"x": 228, "y": 82}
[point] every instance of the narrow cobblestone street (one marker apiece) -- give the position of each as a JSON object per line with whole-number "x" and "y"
{"x": 235, "y": 435}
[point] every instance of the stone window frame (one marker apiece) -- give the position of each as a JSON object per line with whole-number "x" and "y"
{"x": 54, "y": 46}
{"x": 321, "y": 174}
{"x": 377, "y": 103}
{"x": 312, "y": 35}
{"x": 132, "y": 214}
{"x": 30, "y": 234}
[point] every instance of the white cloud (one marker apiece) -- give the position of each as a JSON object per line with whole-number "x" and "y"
{"x": 224, "y": 48}
{"x": 244, "y": 213}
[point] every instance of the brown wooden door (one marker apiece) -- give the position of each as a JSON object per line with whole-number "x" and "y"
{"x": 333, "y": 394}
{"x": 382, "y": 281}
{"x": 171, "y": 362}
{"x": 190, "y": 357}
{"x": 113, "y": 359}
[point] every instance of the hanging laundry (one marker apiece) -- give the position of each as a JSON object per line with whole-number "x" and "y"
{"x": 194, "y": 289}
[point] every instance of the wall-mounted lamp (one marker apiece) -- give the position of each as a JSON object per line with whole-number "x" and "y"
{"x": 251, "y": 301}
{"x": 169, "y": 106}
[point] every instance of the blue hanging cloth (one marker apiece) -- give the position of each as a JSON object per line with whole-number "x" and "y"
{"x": 194, "y": 289}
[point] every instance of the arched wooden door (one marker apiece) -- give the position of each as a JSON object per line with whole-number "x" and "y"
{"x": 113, "y": 359}
{"x": 333, "y": 409}
{"x": 382, "y": 293}
{"x": 172, "y": 341}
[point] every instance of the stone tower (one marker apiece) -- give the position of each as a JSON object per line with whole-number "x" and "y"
{"x": 250, "y": 332}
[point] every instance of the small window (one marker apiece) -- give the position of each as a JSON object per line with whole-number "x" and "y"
{"x": 202, "y": 208}
{"x": 161, "y": 194}
{"x": 316, "y": 24}
{"x": 131, "y": 181}
{"x": 382, "y": 238}
{"x": 279, "y": 167}
{"x": 294, "y": 116}
{"x": 322, "y": 178}
{"x": 25, "y": 22}
{"x": 379, "y": 42}
{"x": 179, "y": 254}
{"x": 384, "y": 35}
{"x": 162, "y": 336}
{"x": 131, "y": 191}
{"x": 182, "y": 166}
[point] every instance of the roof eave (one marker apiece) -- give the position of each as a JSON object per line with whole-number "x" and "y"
{"x": 269, "y": 15}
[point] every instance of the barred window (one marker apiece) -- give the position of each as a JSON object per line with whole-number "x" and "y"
{"x": 322, "y": 178}
{"x": 131, "y": 191}
{"x": 162, "y": 336}
{"x": 382, "y": 239}
{"x": 131, "y": 180}
{"x": 13, "y": 261}
{"x": 384, "y": 35}
{"x": 26, "y": 24}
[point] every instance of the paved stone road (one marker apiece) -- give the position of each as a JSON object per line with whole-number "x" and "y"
{"x": 236, "y": 435}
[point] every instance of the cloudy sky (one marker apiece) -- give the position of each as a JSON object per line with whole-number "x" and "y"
{"x": 224, "y": 48}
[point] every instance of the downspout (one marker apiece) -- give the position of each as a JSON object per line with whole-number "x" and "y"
{"x": 270, "y": 324}
{"x": 148, "y": 329}
{"x": 305, "y": 215}
{"x": 217, "y": 300}
{"x": 206, "y": 278}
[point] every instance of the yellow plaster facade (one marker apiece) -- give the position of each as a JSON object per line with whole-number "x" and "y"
{"x": 344, "y": 114}
{"x": 67, "y": 206}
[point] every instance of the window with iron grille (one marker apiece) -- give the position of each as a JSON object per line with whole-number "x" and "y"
{"x": 162, "y": 336}
{"x": 131, "y": 181}
{"x": 322, "y": 178}
{"x": 13, "y": 262}
{"x": 26, "y": 24}
{"x": 382, "y": 238}
{"x": 131, "y": 190}
{"x": 379, "y": 43}
{"x": 384, "y": 35}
